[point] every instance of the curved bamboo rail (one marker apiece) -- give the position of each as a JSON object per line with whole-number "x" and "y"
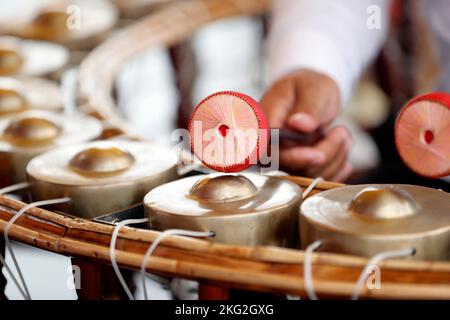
{"x": 268, "y": 269}
{"x": 167, "y": 27}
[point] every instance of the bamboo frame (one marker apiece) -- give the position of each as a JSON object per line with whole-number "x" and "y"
{"x": 269, "y": 269}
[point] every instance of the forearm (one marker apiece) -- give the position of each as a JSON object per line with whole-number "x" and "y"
{"x": 330, "y": 37}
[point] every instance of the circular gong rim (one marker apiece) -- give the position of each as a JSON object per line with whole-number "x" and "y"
{"x": 109, "y": 13}
{"x": 32, "y": 89}
{"x": 368, "y": 227}
{"x": 65, "y": 176}
{"x": 274, "y": 225}
{"x": 40, "y": 58}
{"x": 31, "y": 132}
{"x": 212, "y": 206}
{"x": 75, "y": 128}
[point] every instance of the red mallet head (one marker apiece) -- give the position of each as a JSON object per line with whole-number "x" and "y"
{"x": 422, "y": 134}
{"x": 228, "y": 131}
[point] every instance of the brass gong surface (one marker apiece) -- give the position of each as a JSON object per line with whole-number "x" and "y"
{"x": 12, "y": 101}
{"x": 101, "y": 160}
{"x": 31, "y": 131}
{"x": 367, "y": 219}
{"x": 71, "y": 22}
{"x": 101, "y": 176}
{"x": 28, "y": 57}
{"x": 178, "y": 197}
{"x": 83, "y": 164}
{"x": 222, "y": 188}
{"x": 246, "y": 209}
{"x": 11, "y": 59}
{"x": 39, "y": 129}
{"x": 23, "y": 92}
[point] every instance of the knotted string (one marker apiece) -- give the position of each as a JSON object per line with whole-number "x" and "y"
{"x": 112, "y": 252}
{"x": 10, "y": 224}
{"x": 161, "y": 237}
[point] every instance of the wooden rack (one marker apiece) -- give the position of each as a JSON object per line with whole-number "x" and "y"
{"x": 268, "y": 269}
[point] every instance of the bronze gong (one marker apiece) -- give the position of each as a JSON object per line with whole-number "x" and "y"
{"x": 101, "y": 176}
{"x": 246, "y": 209}
{"x": 29, "y": 133}
{"x": 78, "y": 24}
{"x": 368, "y": 219}
{"x": 27, "y": 57}
{"x": 22, "y": 93}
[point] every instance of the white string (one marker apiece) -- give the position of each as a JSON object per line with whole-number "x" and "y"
{"x": 14, "y": 187}
{"x": 307, "y": 269}
{"x": 5, "y": 190}
{"x": 9, "y": 225}
{"x": 312, "y": 185}
{"x": 376, "y": 259}
{"x": 162, "y": 236}
{"x": 182, "y": 170}
{"x": 13, "y": 277}
{"x": 307, "y": 260}
{"x": 112, "y": 252}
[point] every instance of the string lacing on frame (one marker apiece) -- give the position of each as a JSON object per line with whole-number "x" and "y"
{"x": 8, "y": 228}
{"x": 3, "y": 191}
{"x": 307, "y": 269}
{"x": 161, "y": 237}
{"x": 307, "y": 262}
{"x": 376, "y": 259}
{"x": 112, "y": 252}
{"x": 312, "y": 185}
{"x": 14, "y": 187}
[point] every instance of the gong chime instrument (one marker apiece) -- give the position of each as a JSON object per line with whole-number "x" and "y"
{"x": 369, "y": 219}
{"x": 29, "y": 133}
{"x": 223, "y": 203}
{"x": 365, "y": 220}
{"x": 247, "y": 209}
{"x": 102, "y": 176}
{"x": 78, "y": 24}
{"x": 22, "y": 93}
{"x": 26, "y": 57}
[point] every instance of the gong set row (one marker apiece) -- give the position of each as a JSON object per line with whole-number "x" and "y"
{"x": 39, "y": 40}
{"x": 53, "y": 152}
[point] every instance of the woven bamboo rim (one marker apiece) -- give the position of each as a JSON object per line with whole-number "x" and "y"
{"x": 267, "y": 269}
{"x": 166, "y": 27}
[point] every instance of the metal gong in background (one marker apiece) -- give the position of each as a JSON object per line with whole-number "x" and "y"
{"x": 101, "y": 176}
{"x": 78, "y": 24}
{"x": 368, "y": 219}
{"x": 245, "y": 209}
{"x": 24, "y": 93}
{"x": 35, "y": 58}
{"x": 27, "y": 134}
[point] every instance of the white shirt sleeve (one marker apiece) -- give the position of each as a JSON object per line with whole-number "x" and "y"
{"x": 336, "y": 38}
